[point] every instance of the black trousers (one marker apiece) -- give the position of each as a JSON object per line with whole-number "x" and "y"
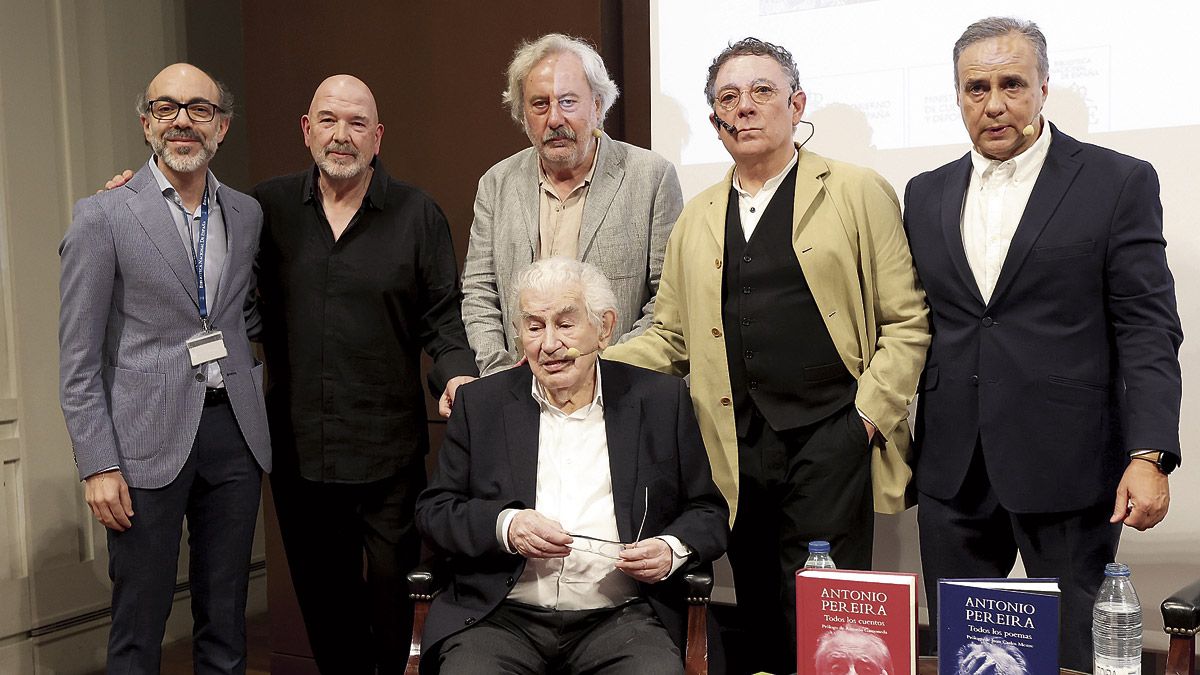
{"x": 973, "y": 535}
{"x": 217, "y": 491}
{"x": 519, "y": 639}
{"x": 809, "y": 483}
{"x": 357, "y": 621}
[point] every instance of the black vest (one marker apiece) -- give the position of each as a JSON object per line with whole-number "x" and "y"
{"x": 782, "y": 361}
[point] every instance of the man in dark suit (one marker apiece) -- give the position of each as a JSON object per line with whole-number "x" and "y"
{"x": 544, "y": 471}
{"x": 161, "y": 395}
{"x": 1049, "y": 412}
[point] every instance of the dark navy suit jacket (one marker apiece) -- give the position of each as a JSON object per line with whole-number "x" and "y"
{"x": 1074, "y": 360}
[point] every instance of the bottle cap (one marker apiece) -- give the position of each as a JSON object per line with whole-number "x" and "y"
{"x": 1115, "y": 569}
{"x": 818, "y": 546}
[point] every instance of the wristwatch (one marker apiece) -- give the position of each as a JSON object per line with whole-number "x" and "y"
{"x": 1165, "y": 461}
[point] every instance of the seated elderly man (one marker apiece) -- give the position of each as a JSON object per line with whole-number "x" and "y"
{"x": 544, "y": 472}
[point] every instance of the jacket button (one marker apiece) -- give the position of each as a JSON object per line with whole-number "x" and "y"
{"x": 753, "y": 384}
{"x": 717, "y": 262}
{"x": 749, "y": 354}
{"x": 508, "y": 581}
{"x": 199, "y": 377}
{"x": 747, "y": 259}
{"x": 987, "y": 322}
{"x": 725, "y": 401}
{"x": 469, "y": 621}
{"x": 745, "y": 321}
{"x": 745, "y": 290}
{"x": 716, "y": 332}
{"x": 974, "y": 380}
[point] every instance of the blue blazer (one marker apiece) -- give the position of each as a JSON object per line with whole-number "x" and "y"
{"x": 1074, "y": 360}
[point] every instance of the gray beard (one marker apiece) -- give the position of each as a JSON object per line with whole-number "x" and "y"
{"x": 183, "y": 163}
{"x": 341, "y": 171}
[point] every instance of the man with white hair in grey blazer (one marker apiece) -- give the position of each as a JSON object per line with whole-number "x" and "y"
{"x": 575, "y": 192}
{"x": 162, "y": 397}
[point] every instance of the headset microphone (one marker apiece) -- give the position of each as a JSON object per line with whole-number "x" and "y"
{"x": 573, "y": 353}
{"x": 722, "y": 124}
{"x": 1030, "y": 129}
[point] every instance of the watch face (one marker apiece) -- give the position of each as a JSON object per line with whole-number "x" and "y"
{"x": 1167, "y": 462}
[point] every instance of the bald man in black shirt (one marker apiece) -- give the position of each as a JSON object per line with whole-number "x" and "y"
{"x": 357, "y": 275}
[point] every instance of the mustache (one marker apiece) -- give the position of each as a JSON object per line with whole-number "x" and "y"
{"x": 344, "y": 148}
{"x": 181, "y": 135}
{"x": 561, "y": 132}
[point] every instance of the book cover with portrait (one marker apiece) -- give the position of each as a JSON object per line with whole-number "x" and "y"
{"x": 1001, "y": 626}
{"x": 850, "y": 619}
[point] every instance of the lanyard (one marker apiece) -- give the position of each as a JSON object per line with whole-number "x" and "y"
{"x": 199, "y": 248}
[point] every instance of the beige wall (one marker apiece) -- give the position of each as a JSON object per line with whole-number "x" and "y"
{"x": 69, "y": 71}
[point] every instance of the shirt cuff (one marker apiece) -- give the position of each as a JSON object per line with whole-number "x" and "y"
{"x": 502, "y": 522}
{"x": 111, "y": 468}
{"x": 679, "y": 551}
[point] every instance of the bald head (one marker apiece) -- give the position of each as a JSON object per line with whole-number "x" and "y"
{"x": 347, "y": 90}
{"x": 179, "y": 77}
{"x": 342, "y": 129}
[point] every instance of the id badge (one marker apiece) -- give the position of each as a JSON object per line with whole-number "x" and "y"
{"x": 206, "y": 346}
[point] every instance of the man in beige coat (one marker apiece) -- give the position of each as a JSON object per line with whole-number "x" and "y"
{"x": 788, "y": 292}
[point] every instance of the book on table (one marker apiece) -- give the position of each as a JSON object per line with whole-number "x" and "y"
{"x": 848, "y": 618}
{"x": 998, "y": 625}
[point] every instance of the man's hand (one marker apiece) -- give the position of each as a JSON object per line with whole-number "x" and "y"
{"x": 446, "y": 402}
{"x": 533, "y": 535}
{"x": 117, "y": 180}
{"x": 1142, "y": 496}
{"x": 648, "y": 561}
{"x": 108, "y": 496}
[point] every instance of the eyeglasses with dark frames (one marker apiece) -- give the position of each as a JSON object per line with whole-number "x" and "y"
{"x": 167, "y": 109}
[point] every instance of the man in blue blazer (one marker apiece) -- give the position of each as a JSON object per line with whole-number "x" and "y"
{"x": 1049, "y": 411}
{"x": 162, "y": 397}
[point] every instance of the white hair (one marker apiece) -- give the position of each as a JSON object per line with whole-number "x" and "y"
{"x": 528, "y": 55}
{"x": 554, "y": 275}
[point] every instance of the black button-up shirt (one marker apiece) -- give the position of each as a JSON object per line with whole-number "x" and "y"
{"x": 344, "y": 323}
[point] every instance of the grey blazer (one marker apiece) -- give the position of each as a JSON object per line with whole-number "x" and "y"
{"x": 631, "y": 206}
{"x": 128, "y": 290}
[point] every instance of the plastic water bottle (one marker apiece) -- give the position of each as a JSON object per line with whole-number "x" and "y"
{"x": 1117, "y": 625}
{"x": 818, "y": 556}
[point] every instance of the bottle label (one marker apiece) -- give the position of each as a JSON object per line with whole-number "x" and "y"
{"x": 1106, "y": 666}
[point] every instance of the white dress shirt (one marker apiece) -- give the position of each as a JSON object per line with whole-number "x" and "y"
{"x": 995, "y": 202}
{"x": 751, "y": 206}
{"x": 574, "y": 487}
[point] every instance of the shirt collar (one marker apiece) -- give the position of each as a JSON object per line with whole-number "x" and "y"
{"x": 376, "y": 194}
{"x": 1025, "y": 165}
{"x": 587, "y": 180}
{"x": 539, "y": 395}
{"x": 169, "y": 191}
{"x": 772, "y": 182}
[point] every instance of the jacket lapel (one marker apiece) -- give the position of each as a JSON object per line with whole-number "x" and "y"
{"x": 151, "y": 211}
{"x": 606, "y": 180}
{"x": 233, "y": 228}
{"x": 529, "y": 196}
{"x": 954, "y": 192}
{"x": 622, "y": 428}
{"x": 521, "y": 423}
{"x": 1052, "y": 183}
{"x": 810, "y": 169}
